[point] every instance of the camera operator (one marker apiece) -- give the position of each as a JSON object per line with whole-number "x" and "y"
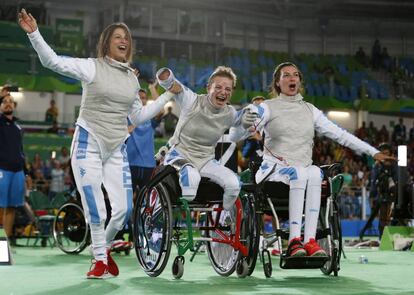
{"x": 383, "y": 190}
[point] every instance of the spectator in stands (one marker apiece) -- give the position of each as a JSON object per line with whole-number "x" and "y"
{"x": 372, "y": 133}
{"x": 99, "y": 156}
{"x": 362, "y": 132}
{"x": 288, "y": 153}
{"x": 40, "y": 183}
{"x": 383, "y": 134}
{"x": 12, "y": 162}
{"x": 52, "y": 113}
{"x": 170, "y": 122}
{"x": 361, "y": 57}
{"x": 64, "y": 157}
{"x": 37, "y": 163}
{"x": 411, "y": 135}
{"x": 57, "y": 181}
{"x": 376, "y": 55}
{"x": 399, "y": 133}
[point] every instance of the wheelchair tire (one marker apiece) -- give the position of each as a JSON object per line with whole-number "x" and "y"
{"x": 70, "y": 230}
{"x": 332, "y": 265}
{"x": 223, "y": 257}
{"x": 153, "y": 228}
{"x": 250, "y": 233}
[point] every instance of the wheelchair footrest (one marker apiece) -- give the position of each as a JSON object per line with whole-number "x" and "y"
{"x": 302, "y": 262}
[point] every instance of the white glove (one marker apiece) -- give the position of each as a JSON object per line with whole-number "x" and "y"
{"x": 167, "y": 83}
{"x": 161, "y": 153}
{"x": 248, "y": 119}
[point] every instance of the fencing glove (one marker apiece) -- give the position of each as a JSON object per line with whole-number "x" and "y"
{"x": 167, "y": 83}
{"x": 161, "y": 153}
{"x": 248, "y": 118}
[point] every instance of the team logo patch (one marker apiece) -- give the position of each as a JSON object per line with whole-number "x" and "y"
{"x": 82, "y": 172}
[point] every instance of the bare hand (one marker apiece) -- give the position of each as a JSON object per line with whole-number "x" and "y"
{"x": 153, "y": 85}
{"x": 383, "y": 157}
{"x": 27, "y": 22}
{"x": 175, "y": 88}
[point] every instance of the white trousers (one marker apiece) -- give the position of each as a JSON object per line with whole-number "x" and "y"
{"x": 90, "y": 173}
{"x": 189, "y": 178}
{"x": 299, "y": 179}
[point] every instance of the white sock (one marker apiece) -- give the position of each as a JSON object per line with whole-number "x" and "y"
{"x": 110, "y": 233}
{"x": 313, "y": 203}
{"x": 296, "y": 199}
{"x": 98, "y": 241}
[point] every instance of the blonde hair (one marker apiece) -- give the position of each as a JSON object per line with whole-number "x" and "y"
{"x": 274, "y": 89}
{"x": 222, "y": 71}
{"x": 105, "y": 38}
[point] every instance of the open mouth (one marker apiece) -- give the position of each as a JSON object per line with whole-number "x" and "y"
{"x": 221, "y": 98}
{"x": 122, "y": 48}
{"x": 292, "y": 86}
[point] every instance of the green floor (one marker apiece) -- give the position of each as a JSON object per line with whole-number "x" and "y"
{"x": 38, "y": 270}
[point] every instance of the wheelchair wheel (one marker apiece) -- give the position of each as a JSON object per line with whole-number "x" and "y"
{"x": 333, "y": 246}
{"x": 70, "y": 230}
{"x": 250, "y": 233}
{"x": 223, "y": 257}
{"x": 153, "y": 229}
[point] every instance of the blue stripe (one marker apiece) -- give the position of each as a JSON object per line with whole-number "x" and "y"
{"x": 239, "y": 114}
{"x": 293, "y": 175}
{"x": 322, "y": 175}
{"x": 264, "y": 166}
{"x": 239, "y": 179}
{"x": 83, "y": 143}
{"x": 260, "y": 110}
{"x": 90, "y": 200}
{"x": 173, "y": 154}
{"x": 129, "y": 205}
{"x": 184, "y": 177}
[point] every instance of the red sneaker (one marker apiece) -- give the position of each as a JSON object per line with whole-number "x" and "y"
{"x": 313, "y": 249}
{"x": 295, "y": 248}
{"x": 99, "y": 270}
{"x": 112, "y": 267}
{"x": 275, "y": 252}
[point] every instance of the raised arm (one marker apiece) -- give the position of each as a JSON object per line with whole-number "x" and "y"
{"x": 183, "y": 95}
{"x": 78, "y": 68}
{"x": 325, "y": 127}
{"x": 139, "y": 114}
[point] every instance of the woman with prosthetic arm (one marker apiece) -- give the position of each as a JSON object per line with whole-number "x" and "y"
{"x": 203, "y": 121}
{"x": 98, "y": 154}
{"x": 289, "y": 124}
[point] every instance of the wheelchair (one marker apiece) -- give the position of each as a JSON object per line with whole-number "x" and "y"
{"x": 273, "y": 198}
{"x": 70, "y": 230}
{"x": 162, "y": 217}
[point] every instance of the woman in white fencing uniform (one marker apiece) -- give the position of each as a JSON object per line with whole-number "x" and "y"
{"x": 110, "y": 89}
{"x": 203, "y": 121}
{"x": 289, "y": 125}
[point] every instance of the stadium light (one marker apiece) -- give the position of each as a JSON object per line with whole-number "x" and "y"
{"x": 402, "y": 155}
{"x": 338, "y": 115}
